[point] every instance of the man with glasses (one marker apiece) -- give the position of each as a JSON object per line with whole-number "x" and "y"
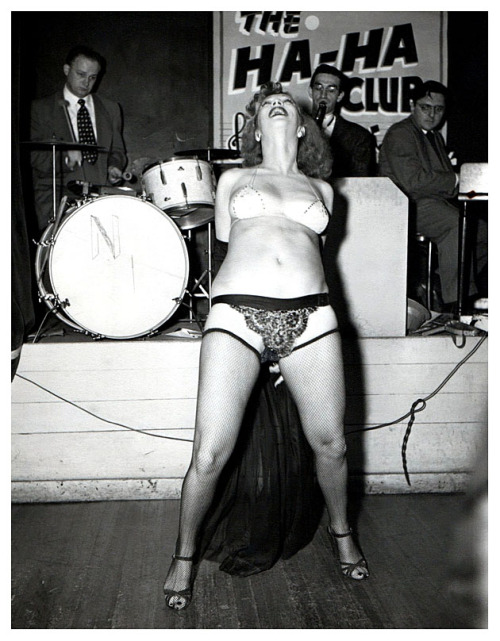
{"x": 353, "y": 147}
{"x": 414, "y": 157}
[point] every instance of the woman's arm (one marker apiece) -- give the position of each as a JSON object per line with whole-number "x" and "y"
{"x": 222, "y": 217}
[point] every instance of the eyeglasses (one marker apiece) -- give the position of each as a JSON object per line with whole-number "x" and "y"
{"x": 431, "y": 109}
{"x": 331, "y": 89}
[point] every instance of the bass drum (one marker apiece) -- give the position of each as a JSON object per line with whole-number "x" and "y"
{"x": 117, "y": 267}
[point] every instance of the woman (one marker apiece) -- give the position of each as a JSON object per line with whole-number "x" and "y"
{"x": 270, "y": 302}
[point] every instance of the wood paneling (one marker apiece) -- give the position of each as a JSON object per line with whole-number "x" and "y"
{"x": 151, "y": 385}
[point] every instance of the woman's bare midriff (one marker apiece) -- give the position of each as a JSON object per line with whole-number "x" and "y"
{"x": 271, "y": 256}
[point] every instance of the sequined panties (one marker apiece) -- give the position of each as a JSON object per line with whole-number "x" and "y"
{"x": 278, "y": 321}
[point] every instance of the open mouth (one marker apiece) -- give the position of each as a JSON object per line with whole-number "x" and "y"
{"x": 277, "y": 111}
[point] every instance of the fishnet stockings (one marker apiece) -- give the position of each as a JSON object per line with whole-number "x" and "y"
{"x": 314, "y": 374}
{"x": 228, "y": 371}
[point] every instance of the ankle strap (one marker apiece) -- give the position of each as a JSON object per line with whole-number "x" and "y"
{"x": 182, "y": 558}
{"x": 340, "y": 536}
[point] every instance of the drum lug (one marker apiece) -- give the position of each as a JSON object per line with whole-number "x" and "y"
{"x": 43, "y": 243}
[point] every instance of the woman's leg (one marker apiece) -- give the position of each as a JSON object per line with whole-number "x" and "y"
{"x": 228, "y": 371}
{"x": 315, "y": 376}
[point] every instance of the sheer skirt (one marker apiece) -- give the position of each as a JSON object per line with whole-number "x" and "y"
{"x": 268, "y": 503}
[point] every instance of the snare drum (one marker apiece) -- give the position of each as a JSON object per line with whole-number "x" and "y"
{"x": 180, "y": 184}
{"x": 117, "y": 267}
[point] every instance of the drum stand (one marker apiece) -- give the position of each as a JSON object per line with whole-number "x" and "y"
{"x": 202, "y": 286}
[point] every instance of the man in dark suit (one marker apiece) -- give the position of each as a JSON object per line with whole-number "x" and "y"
{"x": 413, "y": 155}
{"x": 59, "y": 117}
{"x": 353, "y": 147}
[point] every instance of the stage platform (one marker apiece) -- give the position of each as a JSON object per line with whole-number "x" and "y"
{"x": 62, "y": 453}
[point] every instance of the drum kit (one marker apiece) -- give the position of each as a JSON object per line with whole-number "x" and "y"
{"x": 115, "y": 262}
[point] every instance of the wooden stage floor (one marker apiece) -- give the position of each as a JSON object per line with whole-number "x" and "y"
{"x": 102, "y": 564}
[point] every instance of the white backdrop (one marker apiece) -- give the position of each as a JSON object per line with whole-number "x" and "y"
{"x": 381, "y": 52}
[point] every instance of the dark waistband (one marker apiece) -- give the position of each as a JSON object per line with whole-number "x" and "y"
{"x": 274, "y": 304}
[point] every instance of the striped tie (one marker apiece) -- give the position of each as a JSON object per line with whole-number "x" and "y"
{"x": 86, "y": 132}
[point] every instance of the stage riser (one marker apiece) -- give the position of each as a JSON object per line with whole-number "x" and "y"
{"x": 154, "y": 385}
{"x": 62, "y": 453}
{"x": 178, "y": 414}
{"x": 96, "y": 455}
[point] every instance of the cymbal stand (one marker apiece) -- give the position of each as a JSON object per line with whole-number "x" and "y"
{"x": 54, "y": 195}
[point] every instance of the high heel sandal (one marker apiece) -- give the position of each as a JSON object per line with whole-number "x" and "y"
{"x": 347, "y": 568}
{"x": 185, "y": 595}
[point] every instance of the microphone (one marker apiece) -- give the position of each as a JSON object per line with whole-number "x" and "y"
{"x": 320, "y": 114}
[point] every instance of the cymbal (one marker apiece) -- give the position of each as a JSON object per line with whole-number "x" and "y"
{"x": 61, "y": 144}
{"x": 79, "y": 187}
{"x": 209, "y": 154}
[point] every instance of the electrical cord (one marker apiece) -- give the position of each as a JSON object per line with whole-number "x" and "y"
{"x": 423, "y": 404}
{"x": 418, "y": 406}
{"x": 100, "y": 418}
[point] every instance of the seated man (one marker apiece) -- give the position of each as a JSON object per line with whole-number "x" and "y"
{"x": 413, "y": 155}
{"x": 353, "y": 146}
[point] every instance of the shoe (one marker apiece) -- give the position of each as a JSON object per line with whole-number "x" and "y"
{"x": 347, "y": 568}
{"x": 179, "y": 599}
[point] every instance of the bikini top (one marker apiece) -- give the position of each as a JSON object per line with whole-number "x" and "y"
{"x": 249, "y": 202}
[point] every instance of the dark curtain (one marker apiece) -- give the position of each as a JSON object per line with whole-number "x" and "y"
{"x": 22, "y": 311}
{"x": 468, "y": 85}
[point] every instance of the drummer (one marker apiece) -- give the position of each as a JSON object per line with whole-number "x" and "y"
{"x": 75, "y": 115}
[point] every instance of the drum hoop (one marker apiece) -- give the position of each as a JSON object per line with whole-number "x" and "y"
{"x": 44, "y": 293}
{"x": 67, "y": 318}
{"x": 170, "y": 160}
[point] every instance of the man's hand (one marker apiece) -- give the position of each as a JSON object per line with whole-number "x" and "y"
{"x": 114, "y": 175}
{"x": 73, "y": 159}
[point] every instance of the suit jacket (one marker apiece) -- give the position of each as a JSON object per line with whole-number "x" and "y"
{"x": 353, "y": 150}
{"x": 408, "y": 158}
{"x": 48, "y": 121}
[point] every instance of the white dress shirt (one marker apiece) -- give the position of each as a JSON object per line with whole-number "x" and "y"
{"x": 73, "y": 107}
{"x": 329, "y": 124}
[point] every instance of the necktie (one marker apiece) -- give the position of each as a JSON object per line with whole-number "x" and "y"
{"x": 432, "y": 139}
{"x": 86, "y": 132}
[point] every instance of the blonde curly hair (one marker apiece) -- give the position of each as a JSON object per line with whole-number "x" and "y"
{"x": 314, "y": 156}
